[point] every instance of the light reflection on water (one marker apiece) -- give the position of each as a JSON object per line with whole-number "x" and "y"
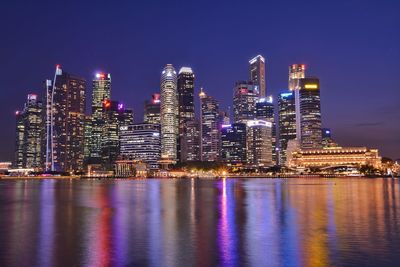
{"x": 227, "y": 222}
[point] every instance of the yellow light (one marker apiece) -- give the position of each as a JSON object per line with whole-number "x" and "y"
{"x": 311, "y": 86}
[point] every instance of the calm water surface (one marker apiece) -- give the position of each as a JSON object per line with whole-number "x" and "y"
{"x": 230, "y": 222}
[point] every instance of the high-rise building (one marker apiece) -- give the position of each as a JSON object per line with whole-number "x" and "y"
{"x": 296, "y": 72}
{"x": 257, "y": 74}
{"x": 265, "y": 110}
{"x": 310, "y": 113}
{"x": 190, "y": 149}
{"x": 233, "y": 144}
{"x": 114, "y": 116}
{"x": 88, "y": 138}
{"x": 29, "y": 134}
{"x": 186, "y": 106}
{"x": 209, "y": 130}
{"x": 259, "y": 143}
{"x": 65, "y": 115}
{"x": 19, "y": 139}
{"x": 287, "y": 122}
{"x": 244, "y": 101}
{"x": 152, "y": 109}
{"x": 141, "y": 142}
{"x": 101, "y": 91}
{"x": 169, "y": 114}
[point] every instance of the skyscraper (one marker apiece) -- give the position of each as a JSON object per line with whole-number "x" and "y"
{"x": 19, "y": 139}
{"x": 245, "y": 96}
{"x": 114, "y": 116}
{"x": 310, "y": 113}
{"x": 101, "y": 91}
{"x": 152, "y": 110}
{"x": 190, "y": 149}
{"x": 259, "y": 143}
{"x": 141, "y": 142}
{"x": 296, "y": 72}
{"x": 265, "y": 110}
{"x": 66, "y": 97}
{"x": 88, "y": 138}
{"x": 210, "y": 136}
{"x": 186, "y": 105}
{"x": 30, "y": 134}
{"x": 233, "y": 144}
{"x": 287, "y": 122}
{"x": 169, "y": 114}
{"x": 257, "y": 74}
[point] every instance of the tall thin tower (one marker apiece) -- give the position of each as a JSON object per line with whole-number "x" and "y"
{"x": 101, "y": 92}
{"x": 257, "y": 74}
{"x": 169, "y": 113}
{"x": 296, "y": 72}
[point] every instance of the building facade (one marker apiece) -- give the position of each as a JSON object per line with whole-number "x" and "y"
{"x": 209, "y": 130}
{"x": 245, "y": 96}
{"x": 190, "y": 149}
{"x": 152, "y": 109}
{"x": 186, "y": 107}
{"x": 30, "y": 124}
{"x": 259, "y": 143}
{"x": 101, "y": 91}
{"x": 169, "y": 114}
{"x": 233, "y": 144}
{"x": 310, "y": 113}
{"x": 296, "y": 73}
{"x": 287, "y": 122}
{"x": 65, "y": 116}
{"x": 265, "y": 110}
{"x": 335, "y": 156}
{"x": 141, "y": 142}
{"x": 114, "y": 117}
{"x": 257, "y": 74}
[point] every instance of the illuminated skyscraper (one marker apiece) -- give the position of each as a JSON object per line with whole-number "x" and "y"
{"x": 210, "y": 135}
{"x": 101, "y": 91}
{"x": 66, "y": 97}
{"x": 257, "y": 74}
{"x": 114, "y": 116}
{"x": 30, "y": 134}
{"x": 233, "y": 144}
{"x": 310, "y": 113}
{"x": 169, "y": 114}
{"x": 287, "y": 122}
{"x": 190, "y": 149}
{"x": 186, "y": 105}
{"x": 19, "y": 140}
{"x": 296, "y": 72}
{"x": 152, "y": 110}
{"x": 88, "y": 138}
{"x": 141, "y": 142}
{"x": 259, "y": 143}
{"x": 245, "y": 96}
{"x": 265, "y": 110}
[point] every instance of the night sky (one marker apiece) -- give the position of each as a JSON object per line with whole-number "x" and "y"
{"x": 353, "y": 46}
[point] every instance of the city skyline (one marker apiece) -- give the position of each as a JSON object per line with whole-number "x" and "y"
{"x": 346, "y": 73}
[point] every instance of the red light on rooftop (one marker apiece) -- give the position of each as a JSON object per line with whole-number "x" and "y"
{"x": 58, "y": 66}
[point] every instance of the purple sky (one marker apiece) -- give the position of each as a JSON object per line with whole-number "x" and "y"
{"x": 351, "y": 45}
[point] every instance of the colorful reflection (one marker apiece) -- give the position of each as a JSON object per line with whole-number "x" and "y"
{"x": 227, "y": 222}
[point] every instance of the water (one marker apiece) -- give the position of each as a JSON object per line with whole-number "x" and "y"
{"x": 230, "y": 222}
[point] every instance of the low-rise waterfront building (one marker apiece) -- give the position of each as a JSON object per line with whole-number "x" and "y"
{"x": 335, "y": 156}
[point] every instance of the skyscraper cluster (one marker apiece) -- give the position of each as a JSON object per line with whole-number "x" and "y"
{"x": 56, "y": 134}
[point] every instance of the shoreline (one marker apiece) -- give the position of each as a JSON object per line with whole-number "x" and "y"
{"x": 197, "y": 178}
